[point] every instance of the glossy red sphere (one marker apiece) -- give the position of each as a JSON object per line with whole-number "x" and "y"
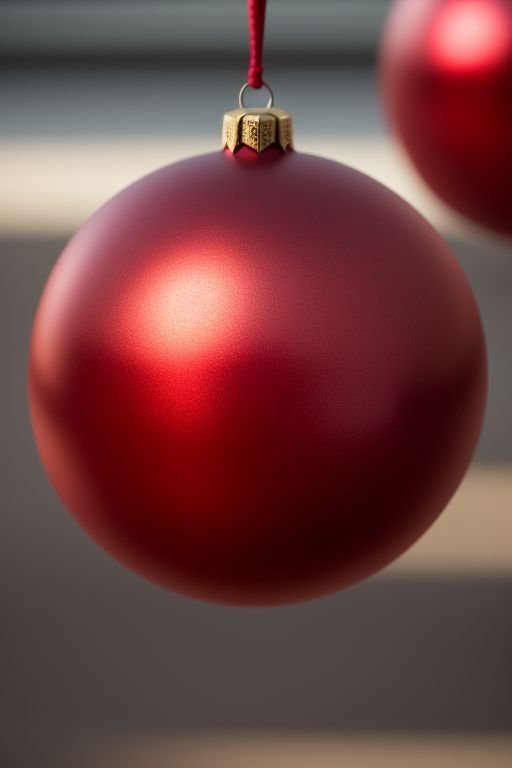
{"x": 256, "y": 378}
{"x": 447, "y": 86}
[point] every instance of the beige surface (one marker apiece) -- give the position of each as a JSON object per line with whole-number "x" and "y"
{"x": 473, "y": 535}
{"x": 50, "y": 186}
{"x": 304, "y": 752}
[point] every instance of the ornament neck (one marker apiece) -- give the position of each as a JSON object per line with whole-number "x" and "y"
{"x": 256, "y": 127}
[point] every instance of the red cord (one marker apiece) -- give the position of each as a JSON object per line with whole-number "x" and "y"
{"x": 256, "y": 17}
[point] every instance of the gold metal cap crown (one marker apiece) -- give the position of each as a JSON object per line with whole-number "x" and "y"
{"x": 256, "y": 127}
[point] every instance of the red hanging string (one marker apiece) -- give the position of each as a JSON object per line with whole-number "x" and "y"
{"x": 256, "y": 18}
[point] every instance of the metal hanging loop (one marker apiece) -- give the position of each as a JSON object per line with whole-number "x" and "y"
{"x": 244, "y": 88}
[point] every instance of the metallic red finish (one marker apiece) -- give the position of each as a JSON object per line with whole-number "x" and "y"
{"x": 256, "y": 378}
{"x": 446, "y": 75}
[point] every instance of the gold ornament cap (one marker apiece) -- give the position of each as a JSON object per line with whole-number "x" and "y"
{"x": 256, "y": 127}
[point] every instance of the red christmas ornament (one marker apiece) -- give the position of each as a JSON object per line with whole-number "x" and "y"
{"x": 447, "y": 85}
{"x": 256, "y": 376}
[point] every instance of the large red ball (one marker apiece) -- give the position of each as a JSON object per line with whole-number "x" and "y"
{"x": 447, "y": 85}
{"x": 256, "y": 379}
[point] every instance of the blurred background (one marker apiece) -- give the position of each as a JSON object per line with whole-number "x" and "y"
{"x": 98, "y": 668}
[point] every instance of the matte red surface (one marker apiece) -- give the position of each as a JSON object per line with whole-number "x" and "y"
{"x": 256, "y": 378}
{"x": 447, "y": 85}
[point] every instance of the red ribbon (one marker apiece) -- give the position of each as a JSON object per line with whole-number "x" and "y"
{"x": 256, "y": 17}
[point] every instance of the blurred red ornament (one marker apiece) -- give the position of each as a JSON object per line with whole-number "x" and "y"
{"x": 256, "y": 378}
{"x": 447, "y": 85}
